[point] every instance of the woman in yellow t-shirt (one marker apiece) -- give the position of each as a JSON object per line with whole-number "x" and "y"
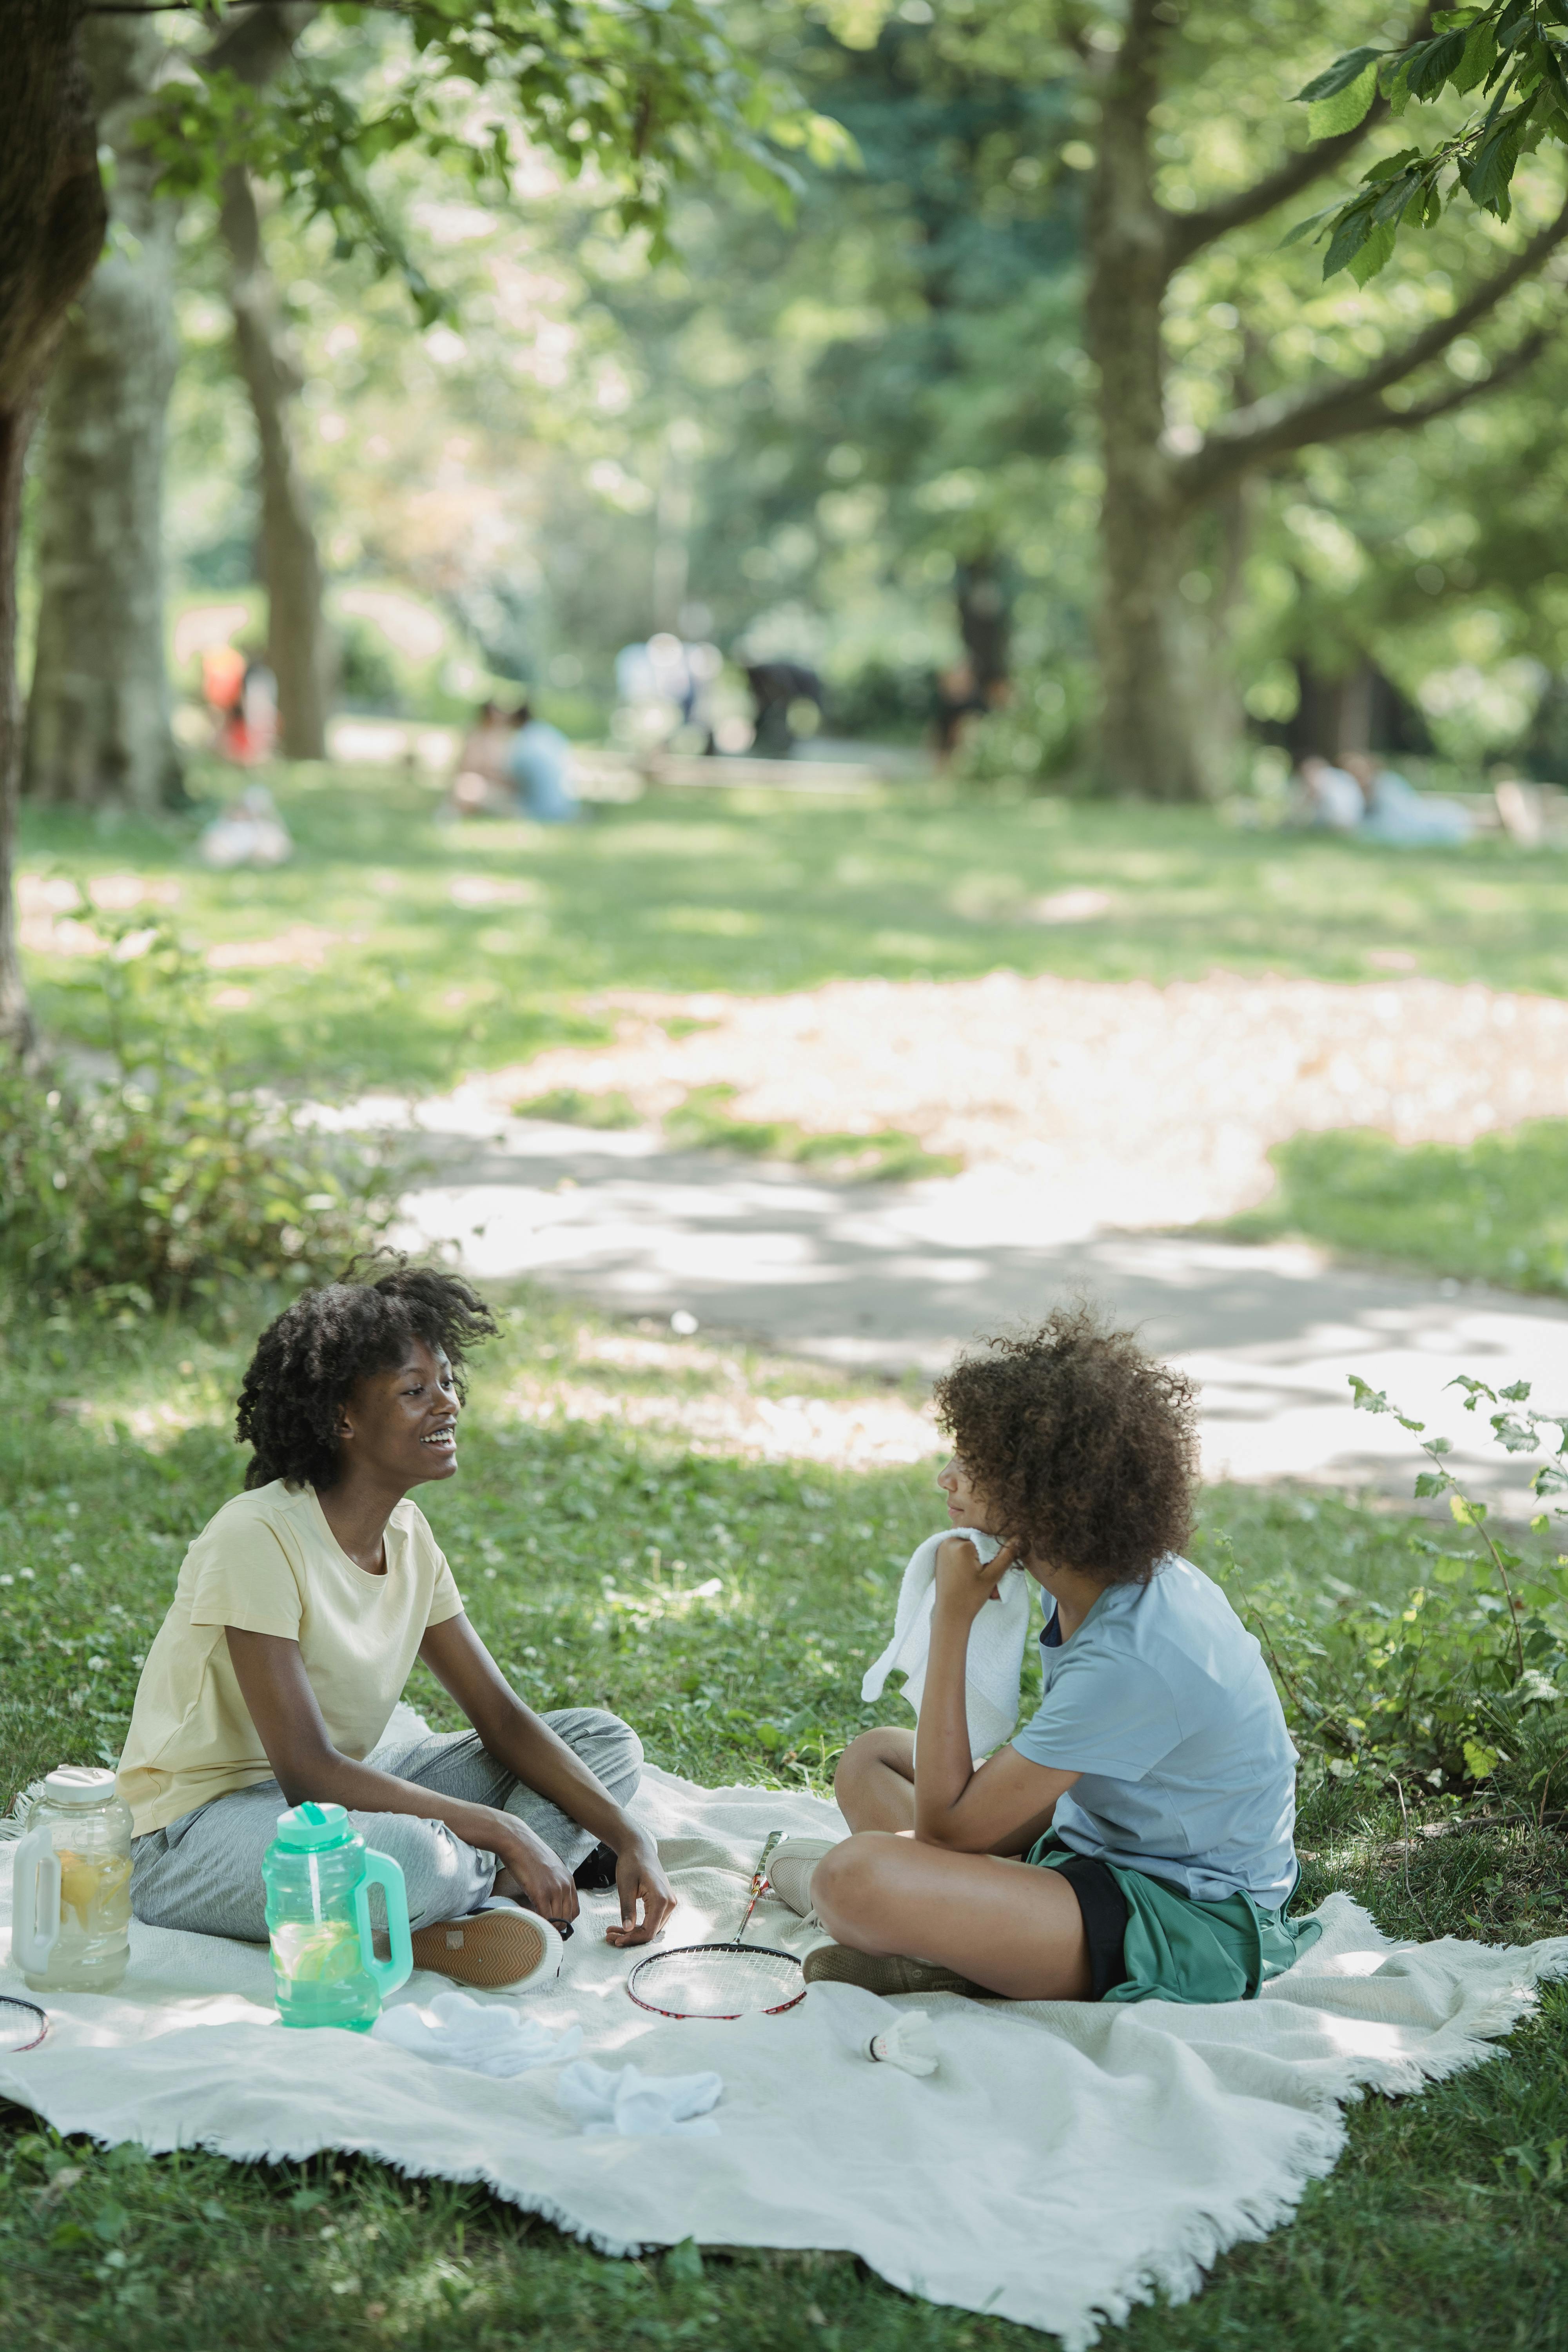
{"x": 299, "y": 1610}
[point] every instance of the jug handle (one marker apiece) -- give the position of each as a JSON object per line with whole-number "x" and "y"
{"x": 31, "y": 1943}
{"x": 380, "y": 1870}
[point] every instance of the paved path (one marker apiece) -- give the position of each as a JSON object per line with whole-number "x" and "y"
{"x": 894, "y": 1277}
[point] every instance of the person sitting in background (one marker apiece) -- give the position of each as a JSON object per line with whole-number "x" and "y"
{"x": 479, "y": 786}
{"x": 538, "y": 766}
{"x": 1330, "y": 797}
{"x": 1396, "y": 813}
{"x": 299, "y": 1610}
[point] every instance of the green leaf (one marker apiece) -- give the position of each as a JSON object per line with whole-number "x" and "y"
{"x": 1488, "y": 178}
{"x": 1392, "y": 166}
{"x": 1328, "y": 118}
{"x": 1431, "y": 1482}
{"x": 1341, "y": 75}
{"x": 1305, "y": 227}
{"x": 1481, "y": 50}
{"x": 1480, "y": 1762}
{"x": 684, "y": 2263}
{"x": 1468, "y": 1514}
{"x": 109, "y": 2222}
{"x": 1431, "y": 64}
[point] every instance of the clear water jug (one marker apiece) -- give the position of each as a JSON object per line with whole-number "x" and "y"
{"x": 71, "y": 1927}
{"x": 318, "y": 1873}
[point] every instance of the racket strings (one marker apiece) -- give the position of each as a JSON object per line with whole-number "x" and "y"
{"x": 718, "y": 1980}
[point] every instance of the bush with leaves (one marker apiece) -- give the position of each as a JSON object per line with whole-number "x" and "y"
{"x": 160, "y": 1184}
{"x": 1442, "y": 1686}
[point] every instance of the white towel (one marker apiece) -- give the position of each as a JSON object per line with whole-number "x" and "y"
{"x": 996, "y": 1638}
{"x": 638, "y": 2105}
{"x": 484, "y": 2035}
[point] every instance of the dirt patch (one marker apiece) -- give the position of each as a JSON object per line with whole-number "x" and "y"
{"x": 1156, "y": 1106}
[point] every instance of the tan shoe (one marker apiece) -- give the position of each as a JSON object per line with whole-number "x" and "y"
{"x": 499, "y": 1945}
{"x": 887, "y": 1973}
{"x": 790, "y": 1866}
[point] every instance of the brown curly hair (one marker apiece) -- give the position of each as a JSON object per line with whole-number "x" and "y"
{"x": 1082, "y": 1445}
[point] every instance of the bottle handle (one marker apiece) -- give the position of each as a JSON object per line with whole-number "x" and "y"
{"x": 36, "y": 1926}
{"x": 380, "y": 1870}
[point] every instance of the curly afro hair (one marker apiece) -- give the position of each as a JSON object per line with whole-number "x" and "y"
{"x": 308, "y": 1361}
{"x": 1083, "y": 1446}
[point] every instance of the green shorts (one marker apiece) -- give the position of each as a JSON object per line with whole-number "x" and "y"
{"x": 1176, "y": 1948}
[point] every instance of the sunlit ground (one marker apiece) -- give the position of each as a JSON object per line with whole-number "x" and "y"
{"x": 396, "y": 951}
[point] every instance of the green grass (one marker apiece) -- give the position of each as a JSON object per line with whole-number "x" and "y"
{"x": 760, "y": 893}
{"x": 704, "y": 1120}
{"x": 1496, "y": 1209}
{"x": 578, "y": 1546}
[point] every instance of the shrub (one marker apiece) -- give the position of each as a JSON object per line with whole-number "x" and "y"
{"x": 167, "y": 1179}
{"x": 1446, "y": 1683}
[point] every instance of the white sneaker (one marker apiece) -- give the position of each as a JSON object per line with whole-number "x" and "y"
{"x": 500, "y": 1944}
{"x": 790, "y": 1867}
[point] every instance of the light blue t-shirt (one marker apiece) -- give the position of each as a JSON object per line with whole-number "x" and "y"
{"x": 1162, "y": 1701}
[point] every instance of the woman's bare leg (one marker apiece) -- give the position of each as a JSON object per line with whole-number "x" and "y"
{"x": 875, "y": 1783}
{"x": 1014, "y": 1929}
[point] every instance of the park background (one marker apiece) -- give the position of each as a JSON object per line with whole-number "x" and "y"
{"x": 827, "y": 336}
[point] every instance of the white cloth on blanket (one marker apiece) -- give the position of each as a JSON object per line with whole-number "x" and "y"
{"x": 457, "y": 2031}
{"x": 625, "y": 2102}
{"x": 994, "y": 1665}
{"x": 1067, "y": 2160}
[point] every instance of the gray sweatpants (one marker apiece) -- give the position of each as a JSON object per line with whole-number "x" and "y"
{"x": 203, "y": 1873}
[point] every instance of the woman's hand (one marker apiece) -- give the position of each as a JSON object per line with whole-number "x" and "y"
{"x": 640, "y": 1878}
{"x": 963, "y": 1585}
{"x": 540, "y": 1876}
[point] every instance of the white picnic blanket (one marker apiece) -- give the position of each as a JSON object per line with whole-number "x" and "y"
{"x": 1063, "y": 2161}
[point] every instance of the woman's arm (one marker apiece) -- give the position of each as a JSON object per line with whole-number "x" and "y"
{"x": 1008, "y": 1803}
{"x": 277, "y": 1690}
{"x": 516, "y": 1738}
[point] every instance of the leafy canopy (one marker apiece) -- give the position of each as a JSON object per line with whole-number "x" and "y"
{"x": 1514, "y": 55}
{"x": 639, "y": 96}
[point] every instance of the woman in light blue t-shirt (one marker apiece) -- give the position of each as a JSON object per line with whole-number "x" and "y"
{"x": 1151, "y": 1797}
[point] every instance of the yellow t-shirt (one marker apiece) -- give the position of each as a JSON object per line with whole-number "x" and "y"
{"x": 268, "y": 1563}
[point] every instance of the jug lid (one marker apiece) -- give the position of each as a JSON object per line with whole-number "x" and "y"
{"x": 310, "y": 1827}
{"x": 78, "y": 1784}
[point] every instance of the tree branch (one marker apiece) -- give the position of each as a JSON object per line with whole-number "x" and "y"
{"x": 1188, "y": 232}
{"x": 1287, "y": 421}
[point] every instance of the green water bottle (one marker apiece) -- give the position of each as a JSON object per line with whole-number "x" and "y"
{"x": 319, "y": 1873}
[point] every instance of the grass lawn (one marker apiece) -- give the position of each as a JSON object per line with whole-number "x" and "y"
{"x": 1497, "y": 1208}
{"x": 578, "y": 1546}
{"x": 380, "y": 975}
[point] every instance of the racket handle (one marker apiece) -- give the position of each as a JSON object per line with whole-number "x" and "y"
{"x": 759, "y": 1880}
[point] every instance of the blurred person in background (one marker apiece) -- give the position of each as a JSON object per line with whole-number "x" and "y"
{"x": 787, "y": 694}
{"x": 480, "y": 786}
{"x": 538, "y": 766}
{"x": 1394, "y": 812}
{"x": 957, "y": 698}
{"x": 1327, "y": 796}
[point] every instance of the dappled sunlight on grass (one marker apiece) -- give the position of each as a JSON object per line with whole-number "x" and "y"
{"x": 688, "y": 894}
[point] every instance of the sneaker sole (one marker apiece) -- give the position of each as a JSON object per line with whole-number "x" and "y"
{"x": 887, "y": 1973}
{"x": 489, "y": 1949}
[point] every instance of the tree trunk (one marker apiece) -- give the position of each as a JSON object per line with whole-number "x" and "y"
{"x": 295, "y": 626}
{"x": 1146, "y": 742}
{"x": 98, "y": 717}
{"x": 52, "y": 218}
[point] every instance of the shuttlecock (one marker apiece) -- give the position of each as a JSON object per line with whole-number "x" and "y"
{"x": 909, "y": 2044}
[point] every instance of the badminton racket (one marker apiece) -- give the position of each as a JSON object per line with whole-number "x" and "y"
{"x": 724, "y": 1981}
{"x": 23, "y": 2025}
